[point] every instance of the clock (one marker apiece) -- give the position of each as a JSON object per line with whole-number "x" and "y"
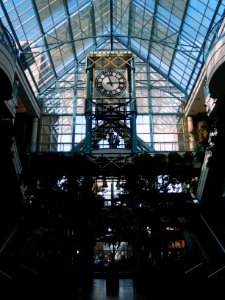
{"x": 110, "y": 83}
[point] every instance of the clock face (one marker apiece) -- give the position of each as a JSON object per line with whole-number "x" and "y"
{"x": 110, "y": 83}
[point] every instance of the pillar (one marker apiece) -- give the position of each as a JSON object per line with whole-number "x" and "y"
{"x": 191, "y": 132}
{"x": 34, "y": 135}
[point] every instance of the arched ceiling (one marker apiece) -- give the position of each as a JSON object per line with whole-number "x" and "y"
{"x": 54, "y": 36}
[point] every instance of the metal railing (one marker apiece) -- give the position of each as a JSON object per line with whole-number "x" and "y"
{"x": 216, "y": 33}
{"x": 80, "y": 147}
{"x": 7, "y": 40}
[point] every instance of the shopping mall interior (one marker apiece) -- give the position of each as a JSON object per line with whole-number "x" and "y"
{"x": 112, "y": 144}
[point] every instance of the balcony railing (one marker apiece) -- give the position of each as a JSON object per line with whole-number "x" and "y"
{"x": 216, "y": 33}
{"x": 8, "y": 57}
{"x": 7, "y": 41}
{"x": 80, "y": 147}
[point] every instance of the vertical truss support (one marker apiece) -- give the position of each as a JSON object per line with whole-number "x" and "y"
{"x": 133, "y": 109}
{"x": 88, "y": 111}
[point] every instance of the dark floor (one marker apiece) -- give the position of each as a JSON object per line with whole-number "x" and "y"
{"x": 155, "y": 291}
{"x": 125, "y": 290}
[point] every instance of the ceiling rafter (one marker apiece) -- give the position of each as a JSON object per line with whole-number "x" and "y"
{"x": 93, "y": 23}
{"x": 111, "y": 24}
{"x": 178, "y": 37}
{"x": 70, "y": 28}
{"x": 130, "y": 23}
{"x": 152, "y": 30}
{"x": 44, "y": 37}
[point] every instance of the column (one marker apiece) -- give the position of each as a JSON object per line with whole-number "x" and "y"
{"x": 33, "y": 147}
{"x": 191, "y": 132}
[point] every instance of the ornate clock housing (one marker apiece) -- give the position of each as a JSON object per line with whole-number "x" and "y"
{"x": 110, "y": 83}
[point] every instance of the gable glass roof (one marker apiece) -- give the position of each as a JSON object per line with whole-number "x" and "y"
{"x": 167, "y": 37}
{"x": 54, "y": 36}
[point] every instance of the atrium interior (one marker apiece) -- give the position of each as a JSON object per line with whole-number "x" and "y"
{"x": 112, "y": 135}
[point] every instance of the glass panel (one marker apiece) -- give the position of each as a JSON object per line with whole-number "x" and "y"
{"x": 54, "y": 37}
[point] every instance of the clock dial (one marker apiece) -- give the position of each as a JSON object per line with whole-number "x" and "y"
{"x": 110, "y": 83}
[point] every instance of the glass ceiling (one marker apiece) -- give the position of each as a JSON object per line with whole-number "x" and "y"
{"x": 54, "y": 36}
{"x": 168, "y": 39}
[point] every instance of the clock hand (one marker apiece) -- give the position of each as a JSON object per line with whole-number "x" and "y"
{"x": 110, "y": 81}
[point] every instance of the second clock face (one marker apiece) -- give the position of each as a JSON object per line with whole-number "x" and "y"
{"x": 110, "y": 83}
